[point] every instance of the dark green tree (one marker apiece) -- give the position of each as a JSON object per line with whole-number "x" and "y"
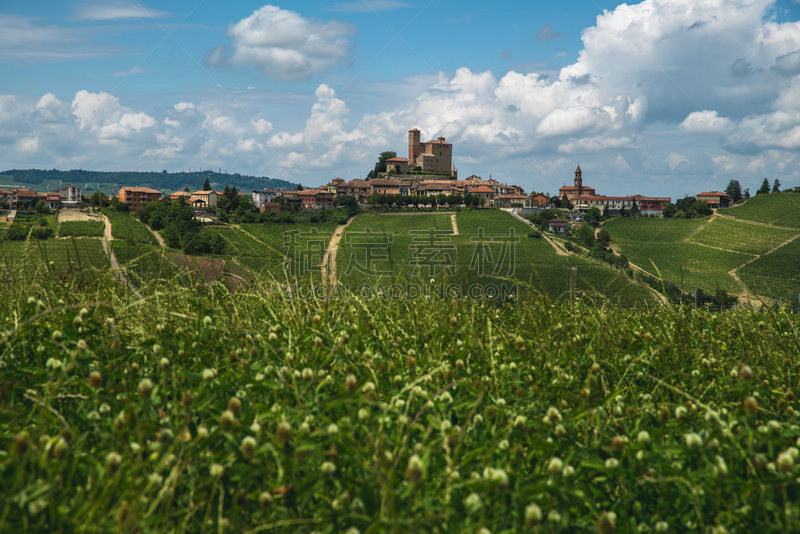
{"x": 380, "y": 166}
{"x": 776, "y": 186}
{"x": 604, "y": 238}
{"x": 669, "y": 210}
{"x": 206, "y": 185}
{"x": 99, "y": 200}
{"x": 764, "y": 189}
{"x": 747, "y": 193}
{"x": 734, "y": 190}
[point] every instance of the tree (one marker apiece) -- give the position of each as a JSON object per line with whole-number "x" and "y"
{"x": 747, "y": 193}
{"x": 764, "y": 189}
{"x": 380, "y": 166}
{"x": 699, "y": 209}
{"x": 99, "y": 200}
{"x": 668, "y": 210}
{"x": 593, "y": 216}
{"x": 299, "y": 187}
{"x": 734, "y": 190}
{"x": 187, "y": 190}
{"x": 206, "y": 185}
{"x": 685, "y": 203}
{"x": 776, "y": 186}
{"x": 604, "y": 238}
{"x": 565, "y": 203}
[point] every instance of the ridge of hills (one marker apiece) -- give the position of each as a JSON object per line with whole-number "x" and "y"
{"x": 110, "y": 182}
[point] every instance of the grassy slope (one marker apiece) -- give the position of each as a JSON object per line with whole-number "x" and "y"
{"x": 778, "y": 208}
{"x": 534, "y": 265}
{"x": 125, "y": 456}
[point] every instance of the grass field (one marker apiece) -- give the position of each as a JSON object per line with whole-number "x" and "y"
{"x": 776, "y": 208}
{"x": 204, "y": 410}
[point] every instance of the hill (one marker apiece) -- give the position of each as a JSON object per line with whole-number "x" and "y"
{"x": 110, "y": 182}
{"x": 749, "y": 250}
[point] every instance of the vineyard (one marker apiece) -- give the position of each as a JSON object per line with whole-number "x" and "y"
{"x": 128, "y": 228}
{"x": 56, "y": 257}
{"x": 491, "y": 253}
{"x": 778, "y": 208}
{"x": 776, "y": 275}
{"x": 743, "y": 237}
{"x": 204, "y": 410}
{"x": 81, "y": 229}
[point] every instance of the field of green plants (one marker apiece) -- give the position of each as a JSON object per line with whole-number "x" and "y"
{"x": 56, "y": 257}
{"x": 777, "y": 275}
{"x": 81, "y": 229}
{"x": 738, "y": 236}
{"x": 201, "y": 410}
{"x": 485, "y": 256}
{"x": 127, "y": 227}
{"x": 778, "y": 208}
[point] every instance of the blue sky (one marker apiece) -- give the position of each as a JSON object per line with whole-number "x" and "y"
{"x": 665, "y": 97}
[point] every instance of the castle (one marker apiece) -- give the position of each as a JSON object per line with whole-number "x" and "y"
{"x": 430, "y": 157}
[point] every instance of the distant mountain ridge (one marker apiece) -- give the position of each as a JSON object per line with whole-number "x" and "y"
{"x": 110, "y": 182}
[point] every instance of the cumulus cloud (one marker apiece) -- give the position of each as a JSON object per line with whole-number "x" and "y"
{"x": 705, "y": 122}
{"x": 283, "y": 44}
{"x": 676, "y": 159}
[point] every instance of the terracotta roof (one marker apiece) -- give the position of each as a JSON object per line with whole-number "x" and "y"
{"x": 482, "y": 189}
{"x": 503, "y": 197}
{"x": 602, "y": 197}
{"x": 205, "y": 193}
{"x": 380, "y": 182}
{"x": 712, "y": 194}
{"x": 435, "y": 142}
{"x": 5, "y": 192}
{"x": 397, "y": 159}
{"x": 140, "y": 190}
{"x": 26, "y": 193}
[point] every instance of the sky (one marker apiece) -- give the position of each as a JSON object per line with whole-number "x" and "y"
{"x": 663, "y": 97}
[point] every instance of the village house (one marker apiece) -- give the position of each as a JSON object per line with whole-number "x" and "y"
{"x": 539, "y": 200}
{"x": 485, "y": 192}
{"x": 204, "y": 199}
{"x": 180, "y": 195}
{"x": 715, "y": 199}
{"x": 6, "y": 199}
{"x": 290, "y": 199}
{"x": 559, "y": 226}
{"x": 360, "y": 189}
{"x": 69, "y": 195}
{"x": 24, "y": 199}
{"x": 267, "y": 195}
{"x": 316, "y": 199}
{"x": 513, "y": 201}
{"x": 274, "y": 207}
{"x": 381, "y": 186}
{"x": 137, "y": 197}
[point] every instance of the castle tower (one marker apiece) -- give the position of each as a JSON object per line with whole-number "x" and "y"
{"x": 413, "y": 147}
{"x": 578, "y": 181}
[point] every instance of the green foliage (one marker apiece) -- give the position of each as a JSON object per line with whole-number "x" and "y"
{"x": 355, "y": 412}
{"x": 380, "y": 166}
{"x": 81, "y": 229}
{"x": 734, "y": 190}
{"x": 126, "y": 227}
{"x": 99, "y": 200}
{"x": 764, "y": 189}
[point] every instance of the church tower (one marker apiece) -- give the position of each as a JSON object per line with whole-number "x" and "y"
{"x": 578, "y": 181}
{"x": 414, "y": 148}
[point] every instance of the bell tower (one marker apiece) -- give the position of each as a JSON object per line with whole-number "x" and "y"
{"x": 413, "y": 147}
{"x": 578, "y": 181}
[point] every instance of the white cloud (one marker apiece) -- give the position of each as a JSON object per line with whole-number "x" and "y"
{"x": 283, "y": 44}
{"x": 705, "y": 122}
{"x": 621, "y": 164}
{"x": 676, "y": 159}
{"x": 27, "y": 145}
{"x": 24, "y": 39}
{"x": 117, "y": 10}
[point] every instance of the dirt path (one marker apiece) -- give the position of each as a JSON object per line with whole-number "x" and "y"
{"x": 455, "y": 224}
{"x": 107, "y": 239}
{"x": 158, "y": 237}
{"x": 329, "y": 259}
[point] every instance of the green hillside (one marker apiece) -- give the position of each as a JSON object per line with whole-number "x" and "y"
{"x": 757, "y": 241}
{"x": 492, "y": 252}
{"x": 775, "y": 208}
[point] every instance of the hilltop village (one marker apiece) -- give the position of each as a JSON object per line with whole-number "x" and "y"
{"x": 427, "y": 177}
